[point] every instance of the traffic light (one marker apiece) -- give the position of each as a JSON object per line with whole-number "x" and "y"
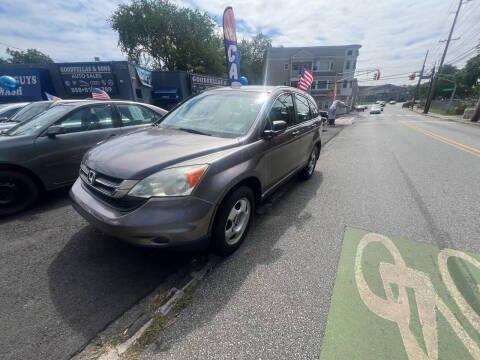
{"x": 412, "y": 76}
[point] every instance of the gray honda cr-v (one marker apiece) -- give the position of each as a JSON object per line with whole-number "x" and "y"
{"x": 198, "y": 174}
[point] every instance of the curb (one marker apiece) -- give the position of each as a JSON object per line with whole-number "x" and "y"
{"x": 131, "y": 332}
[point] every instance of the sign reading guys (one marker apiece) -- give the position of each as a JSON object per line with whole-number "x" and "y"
{"x": 231, "y": 49}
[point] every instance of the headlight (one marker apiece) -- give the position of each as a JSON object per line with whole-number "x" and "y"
{"x": 179, "y": 181}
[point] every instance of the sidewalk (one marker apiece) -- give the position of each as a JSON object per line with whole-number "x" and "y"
{"x": 456, "y": 118}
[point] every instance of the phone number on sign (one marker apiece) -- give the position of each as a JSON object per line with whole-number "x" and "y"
{"x": 87, "y": 90}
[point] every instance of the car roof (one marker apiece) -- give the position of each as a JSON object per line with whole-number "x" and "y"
{"x": 14, "y": 105}
{"x": 260, "y": 88}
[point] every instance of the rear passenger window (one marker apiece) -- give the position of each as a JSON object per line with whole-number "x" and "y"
{"x": 136, "y": 115}
{"x": 313, "y": 109}
{"x": 282, "y": 109}
{"x": 303, "y": 109}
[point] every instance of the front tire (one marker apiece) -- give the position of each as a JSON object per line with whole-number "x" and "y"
{"x": 308, "y": 170}
{"x": 17, "y": 192}
{"x": 233, "y": 221}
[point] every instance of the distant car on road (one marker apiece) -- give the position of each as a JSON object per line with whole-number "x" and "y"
{"x": 198, "y": 175}
{"x": 9, "y": 110}
{"x": 382, "y": 103}
{"x": 392, "y": 102}
{"x": 44, "y": 152}
{"x": 359, "y": 108}
{"x": 375, "y": 109}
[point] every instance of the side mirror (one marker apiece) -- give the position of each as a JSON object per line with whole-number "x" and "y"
{"x": 278, "y": 127}
{"x": 55, "y": 130}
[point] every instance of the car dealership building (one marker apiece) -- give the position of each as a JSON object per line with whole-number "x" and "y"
{"x": 120, "y": 79}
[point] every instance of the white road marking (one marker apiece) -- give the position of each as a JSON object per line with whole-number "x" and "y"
{"x": 428, "y": 302}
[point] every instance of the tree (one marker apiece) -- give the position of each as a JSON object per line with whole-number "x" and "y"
{"x": 174, "y": 38}
{"x": 29, "y": 56}
{"x": 252, "y": 57}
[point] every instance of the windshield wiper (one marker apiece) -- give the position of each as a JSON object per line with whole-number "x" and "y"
{"x": 193, "y": 131}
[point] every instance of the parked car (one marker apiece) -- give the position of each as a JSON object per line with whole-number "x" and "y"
{"x": 198, "y": 176}
{"x": 359, "y": 108}
{"x": 375, "y": 109}
{"x": 26, "y": 113}
{"x": 382, "y": 103}
{"x": 44, "y": 152}
{"x": 392, "y": 102}
{"x": 9, "y": 110}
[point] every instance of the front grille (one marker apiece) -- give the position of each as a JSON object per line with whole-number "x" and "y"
{"x": 110, "y": 190}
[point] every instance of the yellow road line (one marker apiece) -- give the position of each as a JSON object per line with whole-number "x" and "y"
{"x": 469, "y": 149}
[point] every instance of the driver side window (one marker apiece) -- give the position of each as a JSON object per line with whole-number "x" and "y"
{"x": 282, "y": 109}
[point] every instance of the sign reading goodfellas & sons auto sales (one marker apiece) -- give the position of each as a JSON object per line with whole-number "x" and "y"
{"x": 80, "y": 78}
{"x": 231, "y": 49}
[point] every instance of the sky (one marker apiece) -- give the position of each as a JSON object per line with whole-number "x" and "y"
{"x": 394, "y": 34}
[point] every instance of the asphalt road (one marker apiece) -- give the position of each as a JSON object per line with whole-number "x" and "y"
{"x": 62, "y": 281}
{"x": 399, "y": 174}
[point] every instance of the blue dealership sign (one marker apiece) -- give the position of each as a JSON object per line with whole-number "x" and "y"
{"x": 80, "y": 78}
{"x": 231, "y": 49}
{"x": 30, "y": 84}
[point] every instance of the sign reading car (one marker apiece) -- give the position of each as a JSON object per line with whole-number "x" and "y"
{"x": 80, "y": 78}
{"x": 231, "y": 49}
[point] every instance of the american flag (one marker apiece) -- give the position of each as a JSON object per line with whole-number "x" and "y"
{"x": 98, "y": 94}
{"x": 305, "y": 80}
{"x": 52, "y": 97}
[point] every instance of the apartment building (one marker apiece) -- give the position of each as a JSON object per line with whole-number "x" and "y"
{"x": 329, "y": 64}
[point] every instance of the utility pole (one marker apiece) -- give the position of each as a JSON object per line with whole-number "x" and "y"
{"x": 430, "y": 90}
{"x": 476, "y": 113}
{"x": 432, "y": 84}
{"x": 415, "y": 95}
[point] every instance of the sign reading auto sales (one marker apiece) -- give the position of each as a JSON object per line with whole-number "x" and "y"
{"x": 231, "y": 49}
{"x": 80, "y": 78}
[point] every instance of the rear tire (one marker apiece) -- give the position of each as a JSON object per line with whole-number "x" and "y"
{"x": 233, "y": 220}
{"x": 308, "y": 170}
{"x": 17, "y": 192}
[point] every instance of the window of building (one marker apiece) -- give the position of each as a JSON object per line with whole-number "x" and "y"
{"x": 322, "y": 84}
{"x": 349, "y": 52}
{"x": 345, "y": 84}
{"x": 323, "y": 65}
{"x": 285, "y": 66}
{"x": 350, "y": 84}
{"x": 354, "y": 65}
{"x": 331, "y": 65}
{"x": 347, "y": 65}
{"x": 286, "y": 83}
{"x": 138, "y": 93}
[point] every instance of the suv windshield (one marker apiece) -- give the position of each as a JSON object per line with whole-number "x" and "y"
{"x": 223, "y": 114}
{"x": 29, "y": 127}
{"x": 30, "y": 111}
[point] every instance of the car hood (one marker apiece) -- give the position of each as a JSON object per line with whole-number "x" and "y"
{"x": 142, "y": 153}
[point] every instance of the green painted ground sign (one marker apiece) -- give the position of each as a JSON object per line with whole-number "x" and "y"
{"x": 398, "y": 299}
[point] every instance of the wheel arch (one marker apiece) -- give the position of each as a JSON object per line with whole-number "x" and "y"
{"x": 252, "y": 182}
{"x": 25, "y": 171}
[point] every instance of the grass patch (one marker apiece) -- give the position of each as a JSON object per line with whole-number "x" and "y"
{"x": 184, "y": 301}
{"x": 157, "y": 325}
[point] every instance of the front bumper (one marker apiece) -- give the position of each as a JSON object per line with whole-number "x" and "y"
{"x": 159, "y": 222}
